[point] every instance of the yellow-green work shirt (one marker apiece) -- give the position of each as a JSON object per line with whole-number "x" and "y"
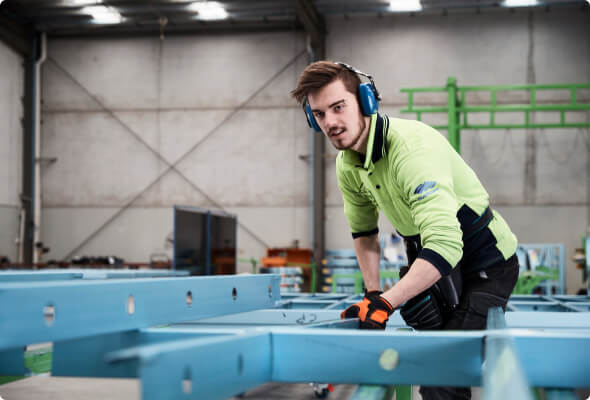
{"x": 426, "y": 190}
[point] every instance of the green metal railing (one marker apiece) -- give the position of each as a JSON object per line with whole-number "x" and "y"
{"x": 458, "y": 110}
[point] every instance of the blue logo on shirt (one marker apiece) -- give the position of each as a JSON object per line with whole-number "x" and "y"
{"x": 426, "y": 189}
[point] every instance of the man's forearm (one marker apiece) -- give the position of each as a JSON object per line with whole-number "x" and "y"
{"x": 420, "y": 277}
{"x": 368, "y": 253}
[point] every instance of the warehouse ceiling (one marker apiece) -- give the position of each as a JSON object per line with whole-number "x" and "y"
{"x": 99, "y": 17}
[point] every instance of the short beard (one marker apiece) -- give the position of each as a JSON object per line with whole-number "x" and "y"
{"x": 362, "y": 126}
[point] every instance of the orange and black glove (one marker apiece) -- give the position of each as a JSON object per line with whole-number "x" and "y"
{"x": 376, "y": 315}
{"x": 362, "y": 306}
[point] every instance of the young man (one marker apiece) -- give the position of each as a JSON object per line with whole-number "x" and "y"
{"x": 410, "y": 172}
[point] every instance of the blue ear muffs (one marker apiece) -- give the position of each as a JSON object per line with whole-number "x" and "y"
{"x": 311, "y": 119}
{"x": 368, "y": 98}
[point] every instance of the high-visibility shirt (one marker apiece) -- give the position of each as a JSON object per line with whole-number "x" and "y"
{"x": 428, "y": 193}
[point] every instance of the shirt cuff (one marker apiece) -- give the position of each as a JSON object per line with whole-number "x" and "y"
{"x": 437, "y": 260}
{"x": 366, "y": 233}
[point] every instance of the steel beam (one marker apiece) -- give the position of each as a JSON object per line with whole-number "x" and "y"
{"x": 74, "y": 273}
{"x": 35, "y": 312}
{"x": 12, "y": 362}
{"x": 554, "y": 359}
{"x": 86, "y": 356}
{"x": 211, "y": 368}
{"x": 163, "y": 357}
{"x": 383, "y": 358}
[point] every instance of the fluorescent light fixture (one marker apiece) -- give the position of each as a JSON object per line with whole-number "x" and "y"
{"x": 208, "y": 10}
{"x": 103, "y": 15}
{"x": 520, "y": 3}
{"x": 405, "y": 5}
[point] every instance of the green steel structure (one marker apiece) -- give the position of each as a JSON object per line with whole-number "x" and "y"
{"x": 458, "y": 110}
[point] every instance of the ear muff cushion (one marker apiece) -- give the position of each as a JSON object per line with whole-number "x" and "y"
{"x": 311, "y": 119}
{"x": 369, "y": 103}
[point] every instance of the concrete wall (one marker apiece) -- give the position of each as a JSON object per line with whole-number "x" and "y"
{"x": 118, "y": 112}
{"x": 11, "y": 113}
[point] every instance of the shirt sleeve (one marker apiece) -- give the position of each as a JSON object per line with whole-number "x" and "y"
{"x": 425, "y": 177}
{"x": 360, "y": 209}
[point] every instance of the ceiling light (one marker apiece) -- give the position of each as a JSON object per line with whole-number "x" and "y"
{"x": 520, "y": 3}
{"x": 103, "y": 15}
{"x": 405, "y": 5}
{"x": 208, "y": 10}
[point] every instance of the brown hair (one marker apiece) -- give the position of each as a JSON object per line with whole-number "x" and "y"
{"x": 317, "y": 75}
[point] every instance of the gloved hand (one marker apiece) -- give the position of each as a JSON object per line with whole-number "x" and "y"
{"x": 377, "y": 314}
{"x": 354, "y": 310}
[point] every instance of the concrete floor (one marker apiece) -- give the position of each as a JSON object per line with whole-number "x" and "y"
{"x": 60, "y": 388}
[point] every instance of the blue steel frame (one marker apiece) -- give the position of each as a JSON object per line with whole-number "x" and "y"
{"x": 219, "y": 342}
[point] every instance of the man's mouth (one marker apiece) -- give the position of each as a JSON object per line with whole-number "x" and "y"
{"x": 336, "y": 132}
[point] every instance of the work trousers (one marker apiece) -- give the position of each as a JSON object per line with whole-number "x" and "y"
{"x": 481, "y": 291}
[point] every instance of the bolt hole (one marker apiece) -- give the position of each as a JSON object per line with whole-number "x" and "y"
{"x": 189, "y": 298}
{"x": 270, "y": 291}
{"x": 49, "y": 314}
{"x": 130, "y": 305}
{"x": 240, "y": 365}
{"x": 234, "y": 294}
{"x": 187, "y": 381}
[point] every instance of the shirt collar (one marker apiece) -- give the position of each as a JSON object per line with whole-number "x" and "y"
{"x": 375, "y": 142}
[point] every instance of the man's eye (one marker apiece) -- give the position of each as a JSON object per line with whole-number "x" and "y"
{"x": 319, "y": 115}
{"x": 338, "y": 108}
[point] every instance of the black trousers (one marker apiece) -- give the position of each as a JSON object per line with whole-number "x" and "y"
{"x": 481, "y": 291}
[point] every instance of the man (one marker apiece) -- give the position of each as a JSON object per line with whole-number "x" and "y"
{"x": 409, "y": 171}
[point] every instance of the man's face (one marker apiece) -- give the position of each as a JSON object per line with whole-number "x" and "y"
{"x": 337, "y": 113}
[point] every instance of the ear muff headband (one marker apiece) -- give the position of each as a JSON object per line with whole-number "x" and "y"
{"x": 368, "y": 98}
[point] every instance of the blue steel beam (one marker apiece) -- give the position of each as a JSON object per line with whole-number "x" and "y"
{"x": 382, "y": 358}
{"x": 34, "y": 312}
{"x": 503, "y": 377}
{"x": 573, "y": 321}
{"x": 554, "y": 359}
{"x": 12, "y": 362}
{"x": 86, "y": 356}
{"x": 337, "y": 355}
{"x": 560, "y": 394}
{"x": 520, "y": 319}
{"x": 210, "y": 368}
{"x": 80, "y": 273}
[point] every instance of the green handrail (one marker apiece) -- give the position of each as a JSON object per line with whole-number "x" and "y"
{"x": 458, "y": 110}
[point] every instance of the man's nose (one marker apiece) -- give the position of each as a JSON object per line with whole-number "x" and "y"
{"x": 329, "y": 120}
